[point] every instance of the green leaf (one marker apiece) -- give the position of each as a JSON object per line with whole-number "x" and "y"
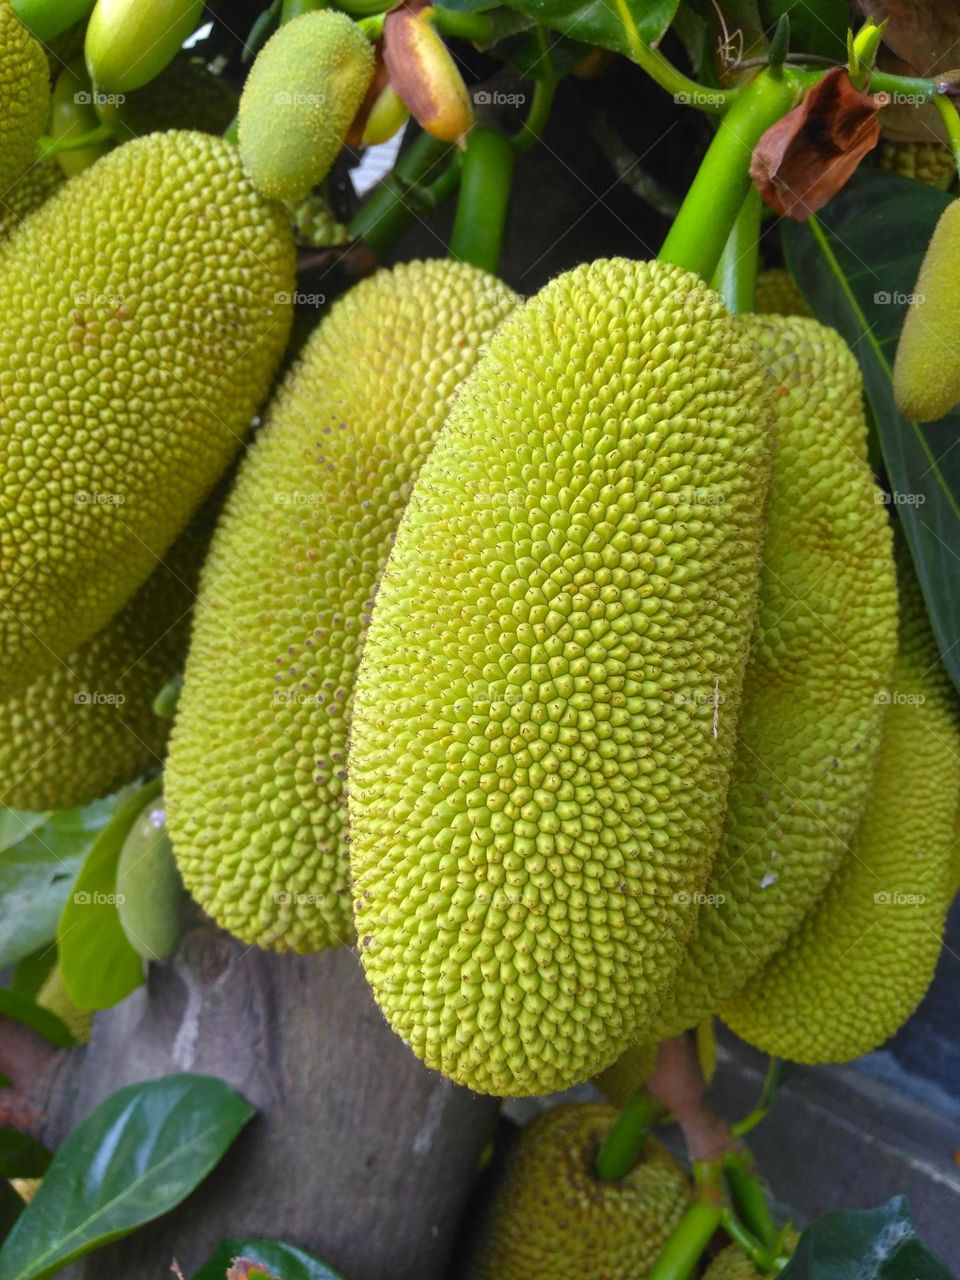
{"x": 98, "y": 964}
{"x": 135, "y": 1158}
{"x": 857, "y": 264}
{"x": 32, "y": 971}
{"x": 283, "y": 1259}
{"x": 47, "y": 1024}
{"x": 22, "y": 1156}
{"x": 11, "y": 1207}
{"x": 816, "y": 26}
{"x": 871, "y": 1244}
{"x": 612, "y": 24}
{"x": 40, "y": 855}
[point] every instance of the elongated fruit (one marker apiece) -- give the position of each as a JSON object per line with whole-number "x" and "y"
{"x": 256, "y": 778}
{"x": 129, "y": 42}
{"x": 546, "y": 709}
{"x": 824, "y": 646}
{"x": 150, "y": 893}
{"x": 24, "y": 96}
{"x": 129, "y": 377}
{"x": 49, "y": 18}
{"x": 852, "y": 974}
{"x": 926, "y": 371}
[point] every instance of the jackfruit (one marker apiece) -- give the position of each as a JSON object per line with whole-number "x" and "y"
{"x": 779, "y": 295}
{"x": 129, "y": 43}
{"x": 299, "y": 100}
{"x": 732, "y": 1263}
{"x": 824, "y": 644}
{"x": 630, "y": 1071}
{"x": 314, "y": 223}
{"x": 150, "y": 894}
{"x": 24, "y": 96}
{"x": 53, "y": 995}
{"x": 184, "y": 96}
{"x": 929, "y": 162}
{"x": 926, "y": 370}
{"x": 256, "y": 775}
{"x": 28, "y": 193}
{"x": 550, "y": 1216}
{"x": 129, "y": 377}
{"x": 546, "y": 707}
{"x": 86, "y": 726}
{"x": 854, "y": 971}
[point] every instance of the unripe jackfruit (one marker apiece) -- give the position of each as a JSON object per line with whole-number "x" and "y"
{"x": 929, "y": 162}
{"x": 779, "y": 295}
{"x": 299, "y": 100}
{"x": 146, "y": 307}
{"x": 129, "y": 42}
{"x": 36, "y": 186}
{"x": 24, "y": 96}
{"x": 823, "y": 648}
{"x": 550, "y": 1216}
{"x": 546, "y": 708}
{"x": 860, "y": 963}
{"x": 926, "y": 371}
{"x": 256, "y": 776}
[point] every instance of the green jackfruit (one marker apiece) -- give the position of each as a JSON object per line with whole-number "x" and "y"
{"x": 24, "y": 96}
{"x": 929, "y": 162}
{"x": 150, "y": 895}
{"x": 854, "y": 971}
{"x": 779, "y": 295}
{"x": 824, "y": 645}
{"x": 539, "y": 760}
{"x": 550, "y": 1216}
{"x": 36, "y": 186}
{"x": 129, "y": 377}
{"x": 129, "y": 42}
{"x": 256, "y": 775}
{"x": 53, "y": 995}
{"x": 926, "y": 371}
{"x": 184, "y": 96}
{"x": 299, "y": 100}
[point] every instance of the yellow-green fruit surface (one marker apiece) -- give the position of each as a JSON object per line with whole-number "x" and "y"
{"x": 929, "y": 162}
{"x": 732, "y": 1263}
{"x": 86, "y": 726}
{"x": 538, "y": 769}
{"x": 860, "y": 963}
{"x": 551, "y": 1218}
{"x": 632, "y": 1069}
{"x": 821, "y": 654}
{"x": 779, "y": 295}
{"x": 150, "y": 895}
{"x": 36, "y": 186}
{"x": 256, "y": 779}
{"x": 129, "y": 42}
{"x": 299, "y": 100}
{"x": 146, "y": 307}
{"x": 24, "y": 96}
{"x": 53, "y": 995}
{"x": 926, "y": 371}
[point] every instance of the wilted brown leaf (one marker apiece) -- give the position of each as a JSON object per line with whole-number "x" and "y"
{"x": 424, "y": 74}
{"x": 805, "y": 158}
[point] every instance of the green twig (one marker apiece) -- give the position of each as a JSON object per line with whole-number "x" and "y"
{"x": 363, "y": 8}
{"x": 771, "y": 1083}
{"x": 680, "y": 1255}
{"x": 625, "y": 1142}
{"x": 297, "y": 8}
{"x": 736, "y": 275}
{"x": 685, "y": 91}
{"x": 749, "y": 1199}
{"x": 404, "y": 194}
{"x": 485, "y": 181}
{"x": 532, "y": 128}
{"x": 951, "y": 121}
{"x": 48, "y": 147}
{"x": 477, "y": 27}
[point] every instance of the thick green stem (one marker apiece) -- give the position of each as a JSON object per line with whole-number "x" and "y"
{"x": 625, "y": 1141}
{"x": 363, "y": 8}
{"x": 48, "y": 147}
{"x": 403, "y": 195}
{"x": 477, "y": 27}
{"x": 297, "y": 8}
{"x": 951, "y": 120}
{"x": 750, "y": 1200}
{"x": 768, "y": 1093}
{"x": 485, "y": 181}
{"x": 685, "y": 91}
{"x": 698, "y": 235}
{"x": 736, "y": 276}
{"x": 680, "y": 1255}
{"x": 532, "y": 128}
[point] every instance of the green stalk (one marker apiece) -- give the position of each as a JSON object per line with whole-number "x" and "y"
{"x": 951, "y": 120}
{"x": 532, "y": 128}
{"x": 750, "y": 1200}
{"x": 48, "y": 147}
{"x": 485, "y": 181}
{"x": 403, "y": 195}
{"x": 297, "y": 8}
{"x": 477, "y": 27}
{"x": 700, "y": 230}
{"x": 685, "y": 91}
{"x": 736, "y": 275}
{"x": 625, "y": 1141}
{"x": 680, "y": 1255}
{"x": 364, "y": 8}
{"x": 768, "y": 1093}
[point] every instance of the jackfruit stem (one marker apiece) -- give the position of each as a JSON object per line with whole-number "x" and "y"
{"x": 624, "y": 1143}
{"x": 532, "y": 128}
{"x": 750, "y": 1199}
{"x": 680, "y": 1255}
{"x": 771, "y": 1083}
{"x": 48, "y": 147}
{"x": 297, "y": 8}
{"x": 700, "y": 230}
{"x": 762, "y": 1259}
{"x": 485, "y": 181}
{"x": 475, "y": 27}
{"x": 668, "y": 77}
{"x": 951, "y": 120}
{"x": 404, "y": 193}
{"x": 736, "y": 276}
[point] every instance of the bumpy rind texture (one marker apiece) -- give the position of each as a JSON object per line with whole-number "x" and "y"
{"x": 299, "y": 100}
{"x": 256, "y": 776}
{"x": 540, "y": 756}
{"x": 86, "y": 725}
{"x": 929, "y": 162}
{"x": 733, "y": 1264}
{"x": 24, "y": 96}
{"x": 860, "y": 963}
{"x": 821, "y": 654}
{"x": 926, "y": 371}
{"x": 779, "y": 295}
{"x": 32, "y": 190}
{"x": 150, "y": 896}
{"x": 146, "y": 307}
{"x": 549, "y": 1216}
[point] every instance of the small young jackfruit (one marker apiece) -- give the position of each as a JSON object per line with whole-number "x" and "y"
{"x": 53, "y": 995}
{"x": 299, "y": 100}
{"x": 926, "y": 371}
{"x": 129, "y": 377}
{"x": 857, "y": 967}
{"x": 256, "y": 775}
{"x": 929, "y": 162}
{"x": 32, "y": 190}
{"x": 128, "y": 42}
{"x": 550, "y": 1216}
{"x": 779, "y": 295}
{"x": 823, "y": 646}
{"x": 24, "y": 96}
{"x": 546, "y": 707}
{"x": 150, "y": 894}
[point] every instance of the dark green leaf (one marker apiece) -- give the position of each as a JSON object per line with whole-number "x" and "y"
{"x": 136, "y": 1157}
{"x": 612, "y": 24}
{"x": 538, "y": 53}
{"x": 47, "y": 1024}
{"x": 871, "y": 1244}
{"x": 11, "y": 1207}
{"x": 98, "y": 964}
{"x": 21, "y": 1156}
{"x": 857, "y": 265}
{"x": 32, "y": 971}
{"x": 283, "y": 1259}
{"x": 40, "y": 855}
{"x": 816, "y": 26}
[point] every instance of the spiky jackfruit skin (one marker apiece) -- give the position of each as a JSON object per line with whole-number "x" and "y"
{"x": 779, "y": 295}
{"x": 926, "y": 371}
{"x": 632, "y": 1069}
{"x": 857, "y": 967}
{"x": 146, "y": 307}
{"x": 732, "y": 1263}
{"x": 538, "y": 765}
{"x": 822, "y": 650}
{"x": 551, "y": 1217}
{"x": 27, "y": 194}
{"x": 299, "y": 100}
{"x": 86, "y": 726}
{"x": 256, "y": 776}
{"x": 24, "y": 96}
{"x": 929, "y": 162}
{"x": 53, "y": 995}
